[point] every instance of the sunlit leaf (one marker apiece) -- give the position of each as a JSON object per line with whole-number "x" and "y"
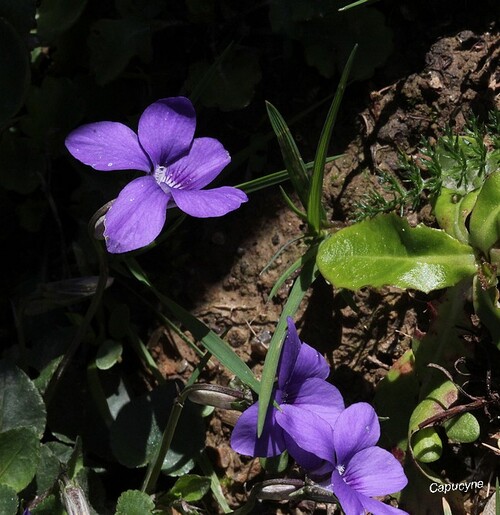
{"x": 463, "y": 428}
{"x": 134, "y": 502}
{"x": 190, "y": 488}
{"x": 387, "y": 251}
{"x": 109, "y": 354}
{"x": 485, "y": 218}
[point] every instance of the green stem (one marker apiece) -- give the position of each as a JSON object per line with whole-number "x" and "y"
{"x": 156, "y": 463}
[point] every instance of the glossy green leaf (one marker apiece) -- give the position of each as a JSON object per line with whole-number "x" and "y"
{"x": 464, "y": 428}
{"x": 387, "y": 251}
{"x": 485, "y": 218}
{"x": 134, "y": 502}
{"x": 21, "y": 404}
{"x": 14, "y": 57}
{"x": 57, "y": 16}
{"x": 295, "y": 166}
{"x": 8, "y": 500}
{"x": 190, "y": 488}
{"x": 19, "y": 455}
{"x": 452, "y": 211}
{"x": 427, "y": 445}
{"x": 108, "y": 354}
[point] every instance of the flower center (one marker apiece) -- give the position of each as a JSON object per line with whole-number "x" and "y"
{"x": 164, "y": 179}
{"x": 340, "y": 469}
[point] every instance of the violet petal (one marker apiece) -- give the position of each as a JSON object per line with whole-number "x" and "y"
{"x": 307, "y": 460}
{"x": 375, "y": 471}
{"x": 317, "y": 395}
{"x": 208, "y": 203}
{"x": 107, "y": 146}
{"x": 310, "y": 363}
{"x": 289, "y": 354}
{"x": 309, "y": 430}
{"x": 357, "y": 428}
{"x": 244, "y": 436}
{"x": 206, "y": 159}
{"x": 136, "y": 217}
{"x": 166, "y": 129}
{"x": 348, "y": 497}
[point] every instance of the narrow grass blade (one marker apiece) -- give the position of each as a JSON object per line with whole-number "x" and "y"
{"x": 304, "y": 280}
{"x": 311, "y": 253}
{"x": 292, "y": 206}
{"x": 291, "y": 155}
{"x": 273, "y": 178}
{"x": 314, "y": 207}
{"x": 215, "y": 486}
{"x": 355, "y": 4}
{"x": 211, "y": 341}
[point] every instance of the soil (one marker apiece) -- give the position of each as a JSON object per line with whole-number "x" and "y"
{"x": 460, "y": 76}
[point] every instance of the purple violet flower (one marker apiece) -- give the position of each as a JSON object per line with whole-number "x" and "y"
{"x": 359, "y": 469}
{"x": 177, "y": 167}
{"x": 302, "y": 394}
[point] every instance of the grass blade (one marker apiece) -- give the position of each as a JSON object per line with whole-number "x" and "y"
{"x": 314, "y": 207}
{"x": 211, "y": 341}
{"x": 291, "y": 156}
{"x": 304, "y": 280}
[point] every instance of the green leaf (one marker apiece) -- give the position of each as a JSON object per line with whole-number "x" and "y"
{"x": 427, "y": 446}
{"x": 14, "y": 57}
{"x": 485, "y": 218}
{"x": 8, "y": 500}
{"x": 108, "y": 354}
{"x": 113, "y": 43}
{"x": 387, "y": 251}
{"x": 19, "y": 455}
{"x": 48, "y": 471}
{"x": 307, "y": 276}
{"x": 134, "y": 502}
{"x": 51, "y": 505}
{"x": 464, "y": 428}
{"x": 139, "y": 424}
{"x": 295, "y": 166}
{"x": 21, "y": 404}
{"x": 57, "y": 16}
{"x": 315, "y": 212}
{"x": 190, "y": 488}
{"x": 452, "y": 210}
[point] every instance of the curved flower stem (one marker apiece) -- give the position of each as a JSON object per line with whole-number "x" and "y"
{"x": 156, "y": 463}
